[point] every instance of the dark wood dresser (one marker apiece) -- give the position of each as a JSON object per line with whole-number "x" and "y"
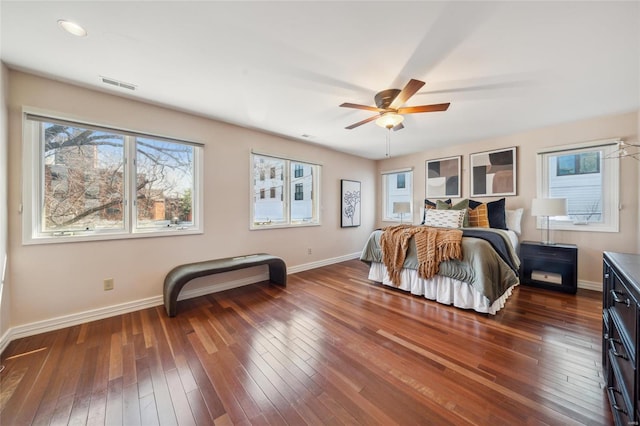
{"x": 621, "y": 325}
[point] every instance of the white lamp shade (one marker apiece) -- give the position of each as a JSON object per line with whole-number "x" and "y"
{"x": 389, "y": 120}
{"x": 549, "y": 207}
{"x": 401, "y": 207}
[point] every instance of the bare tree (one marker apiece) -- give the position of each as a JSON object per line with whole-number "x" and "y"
{"x": 84, "y": 176}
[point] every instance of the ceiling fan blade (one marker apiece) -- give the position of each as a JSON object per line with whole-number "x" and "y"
{"x": 408, "y": 91}
{"x": 357, "y": 106}
{"x": 399, "y": 126}
{"x": 360, "y": 123}
{"x": 424, "y": 108}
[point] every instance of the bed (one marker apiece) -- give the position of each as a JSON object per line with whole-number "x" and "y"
{"x": 482, "y": 280}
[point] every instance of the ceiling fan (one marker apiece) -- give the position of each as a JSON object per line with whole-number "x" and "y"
{"x": 389, "y": 106}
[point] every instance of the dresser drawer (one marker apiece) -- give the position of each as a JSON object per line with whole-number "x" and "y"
{"x": 619, "y": 355}
{"x": 618, "y": 400}
{"x": 623, "y": 312}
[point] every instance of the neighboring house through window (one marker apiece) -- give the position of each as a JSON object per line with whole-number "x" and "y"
{"x": 587, "y": 176}
{"x": 91, "y": 182}
{"x": 293, "y": 186}
{"x": 397, "y": 186}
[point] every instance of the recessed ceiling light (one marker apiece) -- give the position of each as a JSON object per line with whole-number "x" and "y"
{"x": 72, "y": 28}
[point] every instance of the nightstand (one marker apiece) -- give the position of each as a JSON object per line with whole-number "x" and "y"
{"x": 553, "y": 267}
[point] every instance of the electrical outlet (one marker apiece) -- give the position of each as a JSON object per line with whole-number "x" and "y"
{"x": 108, "y": 284}
{"x": 309, "y": 251}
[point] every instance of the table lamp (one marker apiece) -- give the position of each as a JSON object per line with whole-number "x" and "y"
{"x": 547, "y": 207}
{"x": 401, "y": 208}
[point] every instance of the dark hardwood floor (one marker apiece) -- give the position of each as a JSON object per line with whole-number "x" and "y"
{"x": 331, "y": 348}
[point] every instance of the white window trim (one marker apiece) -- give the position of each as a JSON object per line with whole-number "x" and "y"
{"x": 32, "y": 196}
{"x": 611, "y": 208}
{"x": 383, "y": 175}
{"x": 286, "y": 193}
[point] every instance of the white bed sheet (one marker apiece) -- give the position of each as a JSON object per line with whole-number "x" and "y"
{"x": 445, "y": 290}
{"x": 513, "y": 237}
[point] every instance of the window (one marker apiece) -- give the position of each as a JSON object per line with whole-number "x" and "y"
{"x": 397, "y": 187}
{"x": 578, "y": 164}
{"x": 294, "y": 186}
{"x": 401, "y": 180}
{"x": 299, "y": 194}
{"x": 88, "y": 182}
{"x": 587, "y": 176}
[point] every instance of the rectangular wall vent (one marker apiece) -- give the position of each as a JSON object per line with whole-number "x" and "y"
{"x": 117, "y": 83}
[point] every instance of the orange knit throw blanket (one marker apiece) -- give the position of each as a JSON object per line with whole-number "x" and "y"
{"x": 434, "y": 245}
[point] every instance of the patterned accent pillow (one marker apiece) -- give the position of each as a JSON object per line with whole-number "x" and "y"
{"x": 428, "y": 204}
{"x": 479, "y": 217}
{"x": 495, "y": 211}
{"x": 460, "y": 205}
{"x": 444, "y": 218}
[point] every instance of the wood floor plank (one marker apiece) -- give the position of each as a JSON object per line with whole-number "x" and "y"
{"x": 330, "y": 348}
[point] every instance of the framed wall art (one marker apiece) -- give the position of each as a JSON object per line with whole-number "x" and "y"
{"x": 349, "y": 203}
{"x": 493, "y": 173}
{"x": 443, "y": 177}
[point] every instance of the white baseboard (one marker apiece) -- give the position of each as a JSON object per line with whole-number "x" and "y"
{"x": 590, "y": 285}
{"x": 325, "y": 262}
{"x": 57, "y": 323}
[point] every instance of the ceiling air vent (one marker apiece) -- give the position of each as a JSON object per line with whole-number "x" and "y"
{"x": 114, "y": 82}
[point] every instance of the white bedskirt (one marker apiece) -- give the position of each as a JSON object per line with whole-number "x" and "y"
{"x": 445, "y": 290}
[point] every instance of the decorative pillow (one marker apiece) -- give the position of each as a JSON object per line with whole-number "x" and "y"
{"x": 514, "y": 217}
{"x": 444, "y": 218}
{"x": 495, "y": 212}
{"x": 461, "y": 205}
{"x": 479, "y": 217}
{"x": 431, "y": 205}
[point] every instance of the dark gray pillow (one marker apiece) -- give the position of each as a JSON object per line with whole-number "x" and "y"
{"x": 495, "y": 211}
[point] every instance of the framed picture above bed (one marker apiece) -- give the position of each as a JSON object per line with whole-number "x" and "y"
{"x": 349, "y": 203}
{"x": 493, "y": 173}
{"x": 443, "y": 177}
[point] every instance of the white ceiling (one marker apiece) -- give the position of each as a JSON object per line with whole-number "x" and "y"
{"x": 284, "y": 67}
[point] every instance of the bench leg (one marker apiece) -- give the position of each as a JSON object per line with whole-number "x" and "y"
{"x": 278, "y": 273}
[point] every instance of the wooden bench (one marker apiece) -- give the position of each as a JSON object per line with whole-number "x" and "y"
{"x": 179, "y": 276}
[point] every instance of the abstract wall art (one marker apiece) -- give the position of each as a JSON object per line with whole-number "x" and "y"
{"x": 443, "y": 177}
{"x": 493, "y": 173}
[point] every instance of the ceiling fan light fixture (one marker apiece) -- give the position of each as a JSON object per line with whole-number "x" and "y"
{"x": 389, "y": 120}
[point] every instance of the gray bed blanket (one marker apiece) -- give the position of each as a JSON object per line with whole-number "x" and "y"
{"x": 481, "y": 266}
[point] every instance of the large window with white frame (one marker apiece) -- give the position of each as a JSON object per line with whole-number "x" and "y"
{"x": 284, "y": 192}
{"x": 397, "y": 186}
{"x": 587, "y": 175}
{"x": 86, "y": 182}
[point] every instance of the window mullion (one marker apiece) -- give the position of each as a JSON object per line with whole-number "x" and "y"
{"x": 286, "y": 194}
{"x": 130, "y": 193}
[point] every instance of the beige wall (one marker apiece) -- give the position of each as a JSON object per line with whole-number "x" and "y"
{"x": 53, "y": 280}
{"x": 5, "y": 295}
{"x": 590, "y": 244}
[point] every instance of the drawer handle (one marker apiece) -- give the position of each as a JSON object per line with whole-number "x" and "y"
{"x": 612, "y": 345}
{"x": 618, "y": 299}
{"x": 614, "y": 403}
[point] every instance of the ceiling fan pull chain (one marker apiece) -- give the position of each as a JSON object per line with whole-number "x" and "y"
{"x": 388, "y": 142}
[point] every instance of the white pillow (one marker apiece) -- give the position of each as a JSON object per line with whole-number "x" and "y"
{"x": 444, "y": 218}
{"x": 514, "y": 217}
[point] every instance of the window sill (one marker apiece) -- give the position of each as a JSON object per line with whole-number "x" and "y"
{"x": 63, "y": 239}
{"x": 591, "y": 227}
{"x": 281, "y": 226}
